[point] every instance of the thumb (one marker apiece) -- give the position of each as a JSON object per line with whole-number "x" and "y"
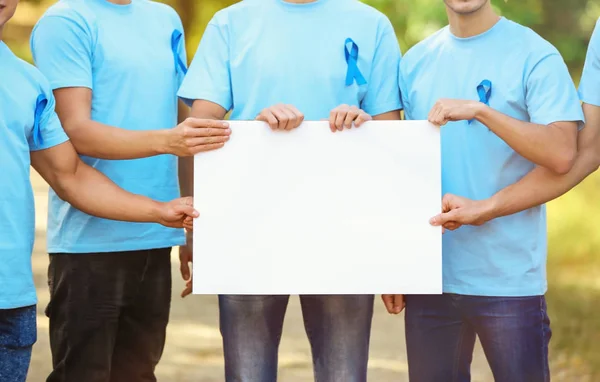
{"x": 444, "y": 218}
{"x": 188, "y": 210}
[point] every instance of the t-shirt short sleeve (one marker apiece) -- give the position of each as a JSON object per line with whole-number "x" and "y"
{"x": 589, "y": 86}
{"x": 47, "y": 131}
{"x": 550, "y": 92}
{"x": 382, "y": 92}
{"x": 62, "y": 50}
{"x": 403, "y": 91}
{"x": 208, "y": 77}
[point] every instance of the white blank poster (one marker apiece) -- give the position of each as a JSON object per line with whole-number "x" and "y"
{"x": 313, "y": 212}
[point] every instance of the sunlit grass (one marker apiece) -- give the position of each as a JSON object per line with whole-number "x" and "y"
{"x": 574, "y": 278}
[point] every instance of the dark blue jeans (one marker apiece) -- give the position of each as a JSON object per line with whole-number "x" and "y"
{"x": 441, "y": 329}
{"x": 338, "y": 328}
{"x": 17, "y": 336}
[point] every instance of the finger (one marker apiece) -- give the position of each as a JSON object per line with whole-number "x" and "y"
{"x": 188, "y": 224}
{"x": 398, "y": 303}
{"x": 332, "y": 118}
{"x": 194, "y": 132}
{"x": 340, "y": 118}
{"x": 194, "y": 142}
{"x": 436, "y": 118}
{"x": 388, "y": 301}
{"x": 362, "y": 118}
{"x": 351, "y": 116}
{"x": 282, "y": 117}
{"x": 443, "y": 117}
{"x": 187, "y": 200}
{"x": 299, "y": 115}
{"x": 291, "y": 117}
{"x": 268, "y": 117}
{"x": 452, "y": 226}
{"x": 188, "y": 289}
{"x": 206, "y": 123}
{"x": 184, "y": 266}
{"x": 432, "y": 112}
{"x": 204, "y": 148}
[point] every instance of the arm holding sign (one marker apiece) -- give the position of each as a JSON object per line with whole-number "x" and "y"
{"x": 538, "y": 187}
{"x": 93, "y": 193}
{"x": 62, "y": 50}
{"x": 552, "y": 146}
{"x": 549, "y": 137}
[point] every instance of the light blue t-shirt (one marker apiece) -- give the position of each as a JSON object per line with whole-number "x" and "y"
{"x": 131, "y": 56}
{"x": 259, "y": 53}
{"x": 530, "y": 82}
{"x": 589, "y": 86}
{"x": 27, "y": 123}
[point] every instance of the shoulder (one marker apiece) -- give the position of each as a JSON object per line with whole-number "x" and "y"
{"x": 531, "y": 45}
{"x": 161, "y": 10}
{"x": 241, "y": 10}
{"x": 421, "y": 51}
{"x": 32, "y": 75}
{"x": 363, "y": 14}
{"x": 75, "y": 13}
{"x": 75, "y": 10}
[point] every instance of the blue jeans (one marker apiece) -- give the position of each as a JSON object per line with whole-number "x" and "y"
{"x": 440, "y": 337}
{"x": 17, "y": 336}
{"x": 338, "y": 328}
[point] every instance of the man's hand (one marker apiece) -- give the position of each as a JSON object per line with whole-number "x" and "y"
{"x": 345, "y": 116}
{"x": 176, "y": 213}
{"x": 458, "y": 211}
{"x": 394, "y": 303}
{"x": 195, "y": 135}
{"x": 450, "y": 110}
{"x": 281, "y": 117}
{"x": 188, "y": 288}
{"x": 186, "y": 257}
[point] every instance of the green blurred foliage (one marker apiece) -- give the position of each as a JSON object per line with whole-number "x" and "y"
{"x": 574, "y": 239}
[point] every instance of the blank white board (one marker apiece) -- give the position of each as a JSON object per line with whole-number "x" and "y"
{"x": 314, "y": 212}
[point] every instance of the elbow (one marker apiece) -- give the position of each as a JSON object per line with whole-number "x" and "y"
{"x": 564, "y": 162}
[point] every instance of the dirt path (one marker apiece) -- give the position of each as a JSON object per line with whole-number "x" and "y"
{"x": 193, "y": 351}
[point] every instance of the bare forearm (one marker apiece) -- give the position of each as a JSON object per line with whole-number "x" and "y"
{"x": 551, "y": 146}
{"x": 93, "y": 193}
{"x": 97, "y": 140}
{"x": 541, "y": 186}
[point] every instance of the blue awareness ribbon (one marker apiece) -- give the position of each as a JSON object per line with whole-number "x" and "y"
{"x": 175, "y": 42}
{"x": 40, "y": 106}
{"x": 484, "y": 90}
{"x": 353, "y": 72}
